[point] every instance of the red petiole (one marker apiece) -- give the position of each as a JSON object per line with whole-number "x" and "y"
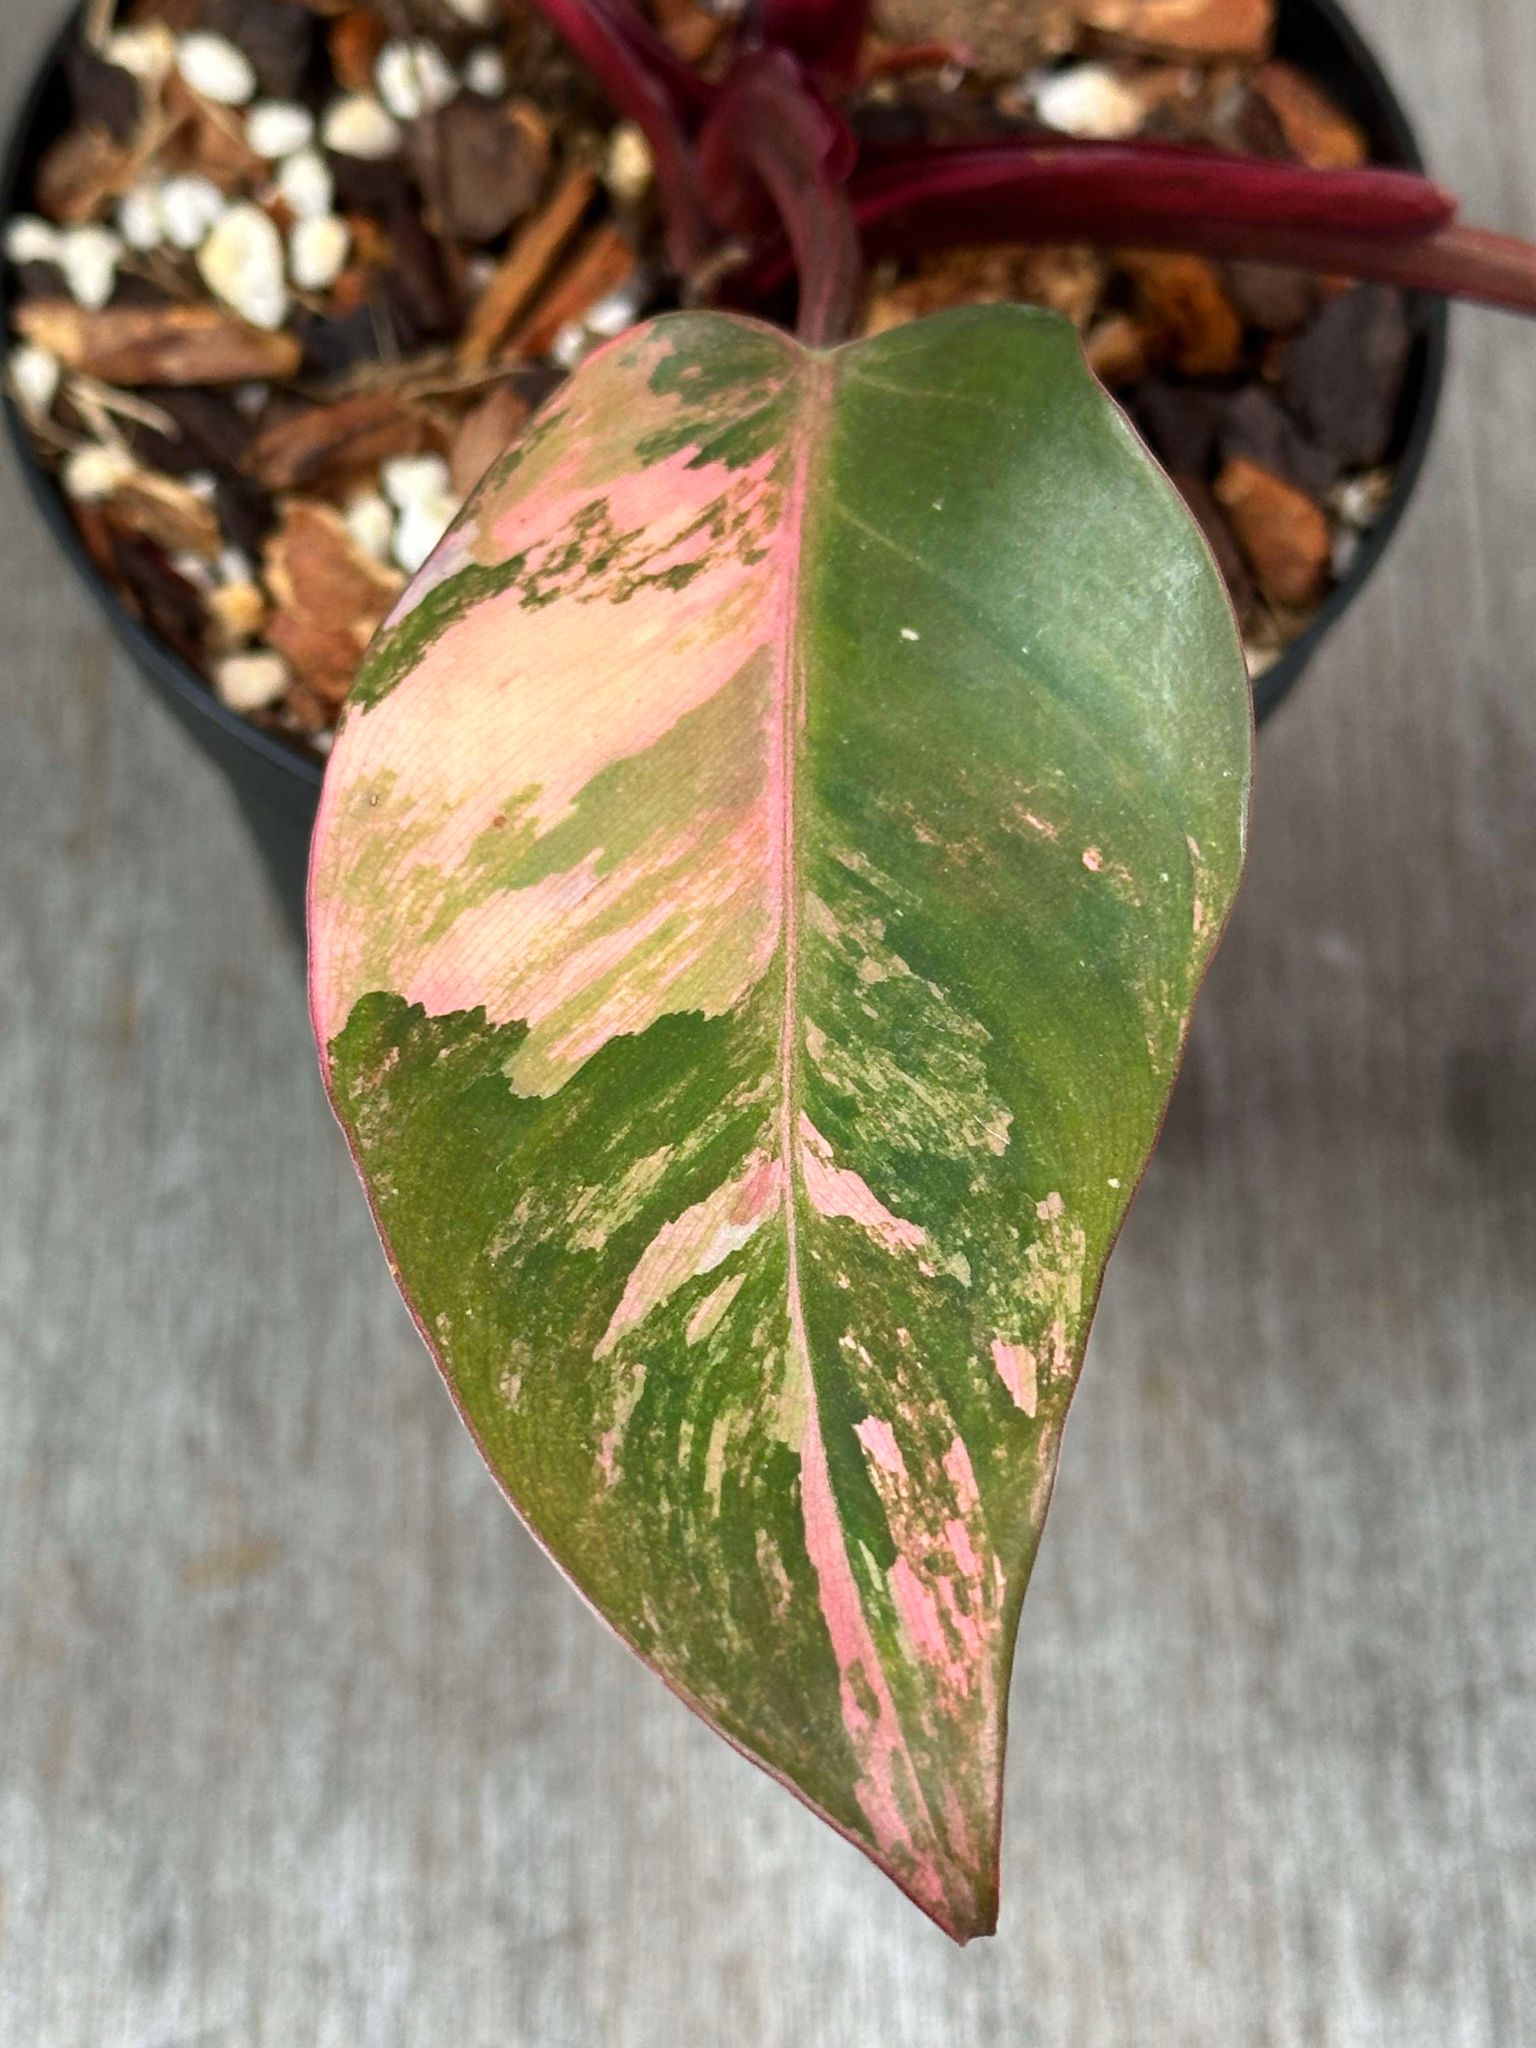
{"x": 621, "y": 52}
{"x": 773, "y": 152}
{"x": 761, "y": 154}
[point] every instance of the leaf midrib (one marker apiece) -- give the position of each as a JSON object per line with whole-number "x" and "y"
{"x": 807, "y": 507}
{"x": 815, "y": 427}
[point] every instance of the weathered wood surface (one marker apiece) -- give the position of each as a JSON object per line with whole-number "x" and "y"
{"x": 302, "y": 1745}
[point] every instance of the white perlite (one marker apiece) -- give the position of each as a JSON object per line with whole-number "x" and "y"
{"x": 31, "y": 239}
{"x": 147, "y": 53}
{"x": 189, "y": 207}
{"x": 630, "y": 165}
{"x": 194, "y": 570}
{"x": 1089, "y": 101}
{"x": 414, "y": 79}
{"x": 422, "y": 525}
{"x": 359, "y": 126}
{"x": 92, "y": 474}
{"x": 617, "y": 309}
{"x": 249, "y": 682}
{"x": 485, "y": 72}
{"x": 371, "y": 523}
{"x": 214, "y": 67}
{"x": 235, "y": 567}
{"x": 35, "y": 378}
{"x": 88, "y": 257}
{"x": 242, "y": 263}
{"x": 478, "y": 13}
{"x": 420, "y": 488}
{"x": 408, "y": 479}
{"x": 305, "y": 182}
{"x": 141, "y": 215}
{"x": 277, "y": 128}
{"x": 571, "y": 345}
{"x": 1360, "y": 500}
{"x": 317, "y": 252}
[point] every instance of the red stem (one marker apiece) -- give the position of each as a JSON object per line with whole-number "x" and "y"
{"x": 621, "y": 52}
{"x": 772, "y": 148}
{"x": 1389, "y": 226}
{"x": 825, "y": 243}
{"x": 782, "y": 145}
{"x": 1120, "y": 191}
{"x": 1386, "y": 225}
{"x": 690, "y": 90}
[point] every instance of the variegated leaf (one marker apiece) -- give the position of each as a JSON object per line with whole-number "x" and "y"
{"x": 759, "y": 894}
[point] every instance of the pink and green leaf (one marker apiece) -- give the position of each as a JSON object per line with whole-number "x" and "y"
{"x": 760, "y": 889}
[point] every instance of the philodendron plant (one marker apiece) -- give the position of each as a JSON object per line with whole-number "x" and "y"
{"x": 761, "y": 886}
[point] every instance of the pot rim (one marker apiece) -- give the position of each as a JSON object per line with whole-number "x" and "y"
{"x": 1431, "y": 317}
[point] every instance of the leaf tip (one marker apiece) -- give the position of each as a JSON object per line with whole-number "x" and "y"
{"x": 975, "y": 1925}
{"x": 967, "y": 1907}
{"x": 945, "y": 1878}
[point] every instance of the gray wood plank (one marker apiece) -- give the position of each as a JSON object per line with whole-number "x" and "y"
{"x": 303, "y": 1746}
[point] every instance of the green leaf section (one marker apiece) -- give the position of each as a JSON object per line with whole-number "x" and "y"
{"x": 749, "y": 1129}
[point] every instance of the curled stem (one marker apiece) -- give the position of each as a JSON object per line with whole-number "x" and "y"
{"x": 772, "y": 152}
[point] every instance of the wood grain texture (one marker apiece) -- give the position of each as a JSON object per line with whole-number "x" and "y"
{"x": 303, "y": 1746}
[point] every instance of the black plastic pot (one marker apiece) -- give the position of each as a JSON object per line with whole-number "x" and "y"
{"x": 277, "y": 789}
